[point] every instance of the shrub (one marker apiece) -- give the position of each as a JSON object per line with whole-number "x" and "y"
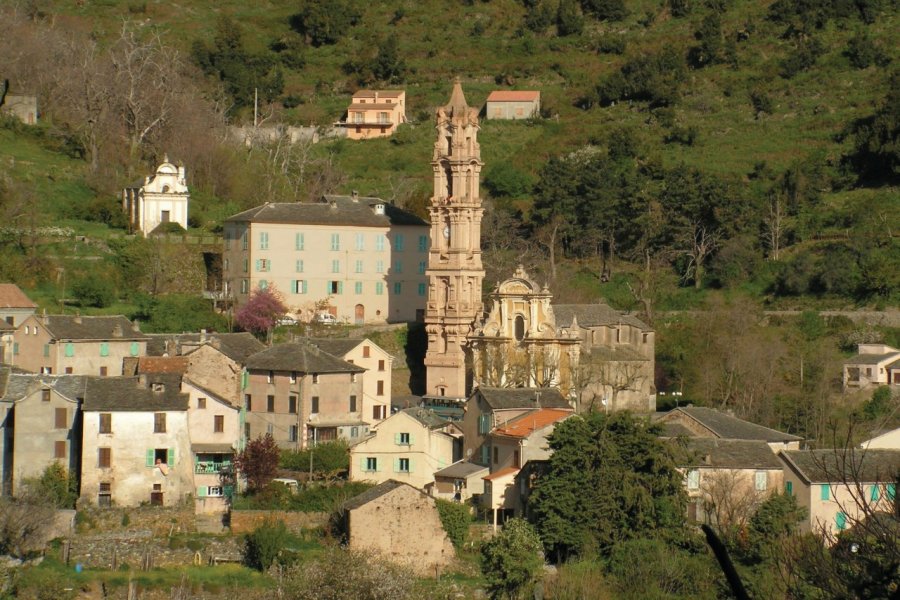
{"x": 801, "y": 58}
{"x": 512, "y": 560}
{"x": 569, "y": 20}
{"x": 94, "y": 291}
{"x": 455, "y": 518}
{"x": 611, "y": 44}
{"x": 342, "y": 573}
{"x": 263, "y": 546}
{"x": 651, "y": 77}
{"x": 609, "y": 10}
{"x": 56, "y": 485}
{"x": 506, "y": 181}
{"x": 258, "y": 462}
{"x": 328, "y": 459}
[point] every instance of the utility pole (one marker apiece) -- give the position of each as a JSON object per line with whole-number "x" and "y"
{"x": 255, "y": 106}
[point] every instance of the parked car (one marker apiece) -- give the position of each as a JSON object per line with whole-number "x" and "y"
{"x": 287, "y": 320}
{"x": 325, "y": 319}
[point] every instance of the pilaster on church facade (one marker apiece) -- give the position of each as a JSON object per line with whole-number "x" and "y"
{"x": 455, "y": 272}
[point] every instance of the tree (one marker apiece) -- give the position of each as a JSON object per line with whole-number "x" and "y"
{"x": 24, "y": 521}
{"x": 512, "y": 560}
{"x": 264, "y": 544}
{"x": 262, "y": 311}
{"x": 56, "y": 485}
{"x": 324, "y": 22}
{"x": 94, "y": 291}
{"x": 569, "y": 20}
{"x": 610, "y": 478}
{"x": 343, "y": 573}
{"x": 388, "y": 65}
{"x": 258, "y": 462}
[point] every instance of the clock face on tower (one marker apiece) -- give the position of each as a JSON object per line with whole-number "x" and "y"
{"x": 447, "y": 231}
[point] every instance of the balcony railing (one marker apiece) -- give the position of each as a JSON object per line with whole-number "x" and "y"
{"x": 211, "y": 468}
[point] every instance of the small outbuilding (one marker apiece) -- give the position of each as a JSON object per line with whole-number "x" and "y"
{"x": 513, "y": 104}
{"x": 399, "y": 522}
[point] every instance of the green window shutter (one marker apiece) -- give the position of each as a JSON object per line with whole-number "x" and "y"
{"x": 228, "y": 490}
{"x": 46, "y": 349}
{"x": 841, "y": 521}
{"x": 104, "y": 348}
{"x": 396, "y": 465}
{"x": 362, "y": 463}
{"x": 789, "y": 488}
{"x": 825, "y": 492}
{"x": 875, "y": 493}
{"x": 412, "y": 439}
{"x": 257, "y": 264}
{"x": 171, "y": 457}
{"x": 150, "y": 457}
{"x": 304, "y": 286}
{"x": 135, "y": 348}
{"x": 70, "y": 350}
{"x": 244, "y": 380}
{"x": 15, "y": 347}
{"x": 397, "y": 438}
{"x": 410, "y": 465}
{"x": 201, "y": 491}
{"x": 891, "y": 491}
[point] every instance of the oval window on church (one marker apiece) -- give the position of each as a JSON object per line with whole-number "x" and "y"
{"x": 520, "y": 328}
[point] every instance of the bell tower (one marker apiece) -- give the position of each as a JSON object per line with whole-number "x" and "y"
{"x": 454, "y": 270}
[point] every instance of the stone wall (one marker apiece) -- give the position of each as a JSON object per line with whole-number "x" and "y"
{"x": 245, "y": 521}
{"x": 158, "y": 521}
{"x": 131, "y": 549}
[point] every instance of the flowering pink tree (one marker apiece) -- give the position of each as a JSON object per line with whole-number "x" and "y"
{"x": 261, "y": 312}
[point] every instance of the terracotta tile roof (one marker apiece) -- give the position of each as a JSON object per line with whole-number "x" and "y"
{"x": 162, "y": 364}
{"x": 840, "y": 465}
{"x": 381, "y": 93}
{"x": 11, "y": 296}
{"x": 525, "y": 425}
{"x": 501, "y": 473}
{"x": 513, "y": 96}
{"x": 345, "y": 212}
{"x": 372, "y": 106}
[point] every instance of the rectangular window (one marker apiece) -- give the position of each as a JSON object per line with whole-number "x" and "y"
{"x": 485, "y": 455}
{"x": 693, "y": 479}
{"x": 398, "y": 287}
{"x": 270, "y": 377}
{"x": 421, "y": 289}
{"x": 378, "y": 412}
{"x": 59, "y": 449}
{"x": 484, "y": 424}
{"x": 263, "y": 284}
{"x": 761, "y": 481}
{"x": 381, "y": 365}
{"x": 789, "y": 488}
{"x": 357, "y": 288}
{"x": 245, "y": 241}
{"x": 60, "y": 420}
{"x": 336, "y": 287}
{"x": 379, "y": 266}
{"x": 379, "y": 388}
{"x": 104, "y": 498}
{"x": 104, "y": 457}
{"x": 45, "y": 395}
{"x": 335, "y": 241}
{"x": 218, "y": 424}
{"x": 403, "y": 465}
{"x": 245, "y": 286}
{"x": 293, "y": 433}
{"x": 299, "y": 286}
{"x": 891, "y": 490}
{"x": 70, "y": 350}
{"x": 103, "y": 371}
{"x": 263, "y": 240}
{"x": 379, "y": 288}
{"x": 335, "y": 266}
{"x": 270, "y": 404}
{"x": 422, "y": 267}
{"x": 135, "y": 348}
{"x": 398, "y": 266}
{"x": 371, "y": 464}
{"x": 352, "y": 404}
{"x": 263, "y": 265}
{"x": 201, "y": 403}
{"x": 104, "y": 348}
{"x": 15, "y": 348}
{"x": 379, "y": 242}
{"x": 403, "y": 439}
{"x": 298, "y": 241}
{"x": 159, "y": 422}
{"x": 359, "y": 266}
{"x": 367, "y": 351}
{"x": 292, "y": 404}
{"x": 360, "y": 242}
{"x": 105, "y": 422}
{"x": 298, "y": 266}
{"x": 825, "y": 492}
{"x": 840, "y": 521}
{"x": 315, "y": 405}
{"x": 496, "y": 454}
{"x": 248, "y": 401}
{"x": 228, "y": 240}
{"x": 398, "y": 242}
{"x": 315, "y": 378}
{"x": 423, "y": 243}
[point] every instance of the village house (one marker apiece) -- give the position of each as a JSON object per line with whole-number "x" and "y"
{"x": 697, "y": 421}
{"x": 76, "y": 345}
{"x": 884, "y": 439}
{"x": 302, "y": 396}
{"x": 359, "y": 259}
{"x": 408, "y": 446}
{"x": 159, "y": 199}
{"x": 726, "y": 480}
{"x": 513, "y": 104}
{"x": 490, "y": 408}
{"x": 512, "y": 445}
{"x": 841, "y": 487}
{"x": 873, "y": 365}
{"x": 136, "y": 446}
{"x": 400, "y": 523}
{"x": 15, "y": 305}
{"x": 376, "y": 395}
{"x": 463, "y": 481}
{"x": 40, "y": 417}
{"x": 374, "y": 114}
{"x": 22, "y": 107}
{"x": 215, "y": 361}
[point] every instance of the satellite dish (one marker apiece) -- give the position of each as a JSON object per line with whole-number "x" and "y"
{"x": 468, "y": 453}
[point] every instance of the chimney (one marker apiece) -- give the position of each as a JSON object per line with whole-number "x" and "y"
{"x": 78, "y": 317}
{"x": 117, "y": 331}
{"x": 333, "y": 203}
{"x": 379, "y": 208}
{"x": 354, "y": 195}
{"x": 202, "y": 335}
{"x": 537, "y": 399}
{"x": 44, "y": 318}
{"x": 136, "y": 325}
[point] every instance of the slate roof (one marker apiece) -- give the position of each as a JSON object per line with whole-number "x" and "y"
{"x": 725, "y": 426}
{"x": 460, "y": 470}
{"x": 851, "y": 465}
{"x": 16, "y": 385}
{"x": 334, "y": 346}
{"x": 672, "y": 429}
{"x": 871, "y": 359}
{"x": 513, "y": 96}
{"x": 595, "y": 315}
{"x": 508, "y": 398}
{"x": 524, "y": 425}
{"x": 12, "y": 296}
{"x": 426, "y": 417}
{"x": 73, "y": 327}
{"x": 300, "y": 357}
{"x": 620, "y": 353}
{"x": 730, "y": 454}
{"x": 4, "y": 326}
{"x": 374, "y": 493}
{"x": 236, "y": 346}
{"x": 134, "y": 395}
{"x": 359, "y": 213}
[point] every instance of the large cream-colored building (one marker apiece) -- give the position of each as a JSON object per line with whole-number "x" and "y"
{"x": 161, "y": 198}
{"x": 455, "y": 272}
{"x": 359, "y": 259}
{"x": 375, "y": 113}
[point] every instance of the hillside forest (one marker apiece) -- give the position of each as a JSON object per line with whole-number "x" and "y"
{"x": 726, "y": 169}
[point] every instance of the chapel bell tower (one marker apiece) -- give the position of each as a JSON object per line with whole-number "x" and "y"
{"x": 454, "y": 270}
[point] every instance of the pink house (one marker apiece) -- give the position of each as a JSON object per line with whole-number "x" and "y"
{"x": 375, "y": 113}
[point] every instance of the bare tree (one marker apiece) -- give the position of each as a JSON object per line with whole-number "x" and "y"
{"x": 730, "y": 498}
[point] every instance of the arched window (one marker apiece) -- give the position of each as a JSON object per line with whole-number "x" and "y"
{"x": 519, "y": 328}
